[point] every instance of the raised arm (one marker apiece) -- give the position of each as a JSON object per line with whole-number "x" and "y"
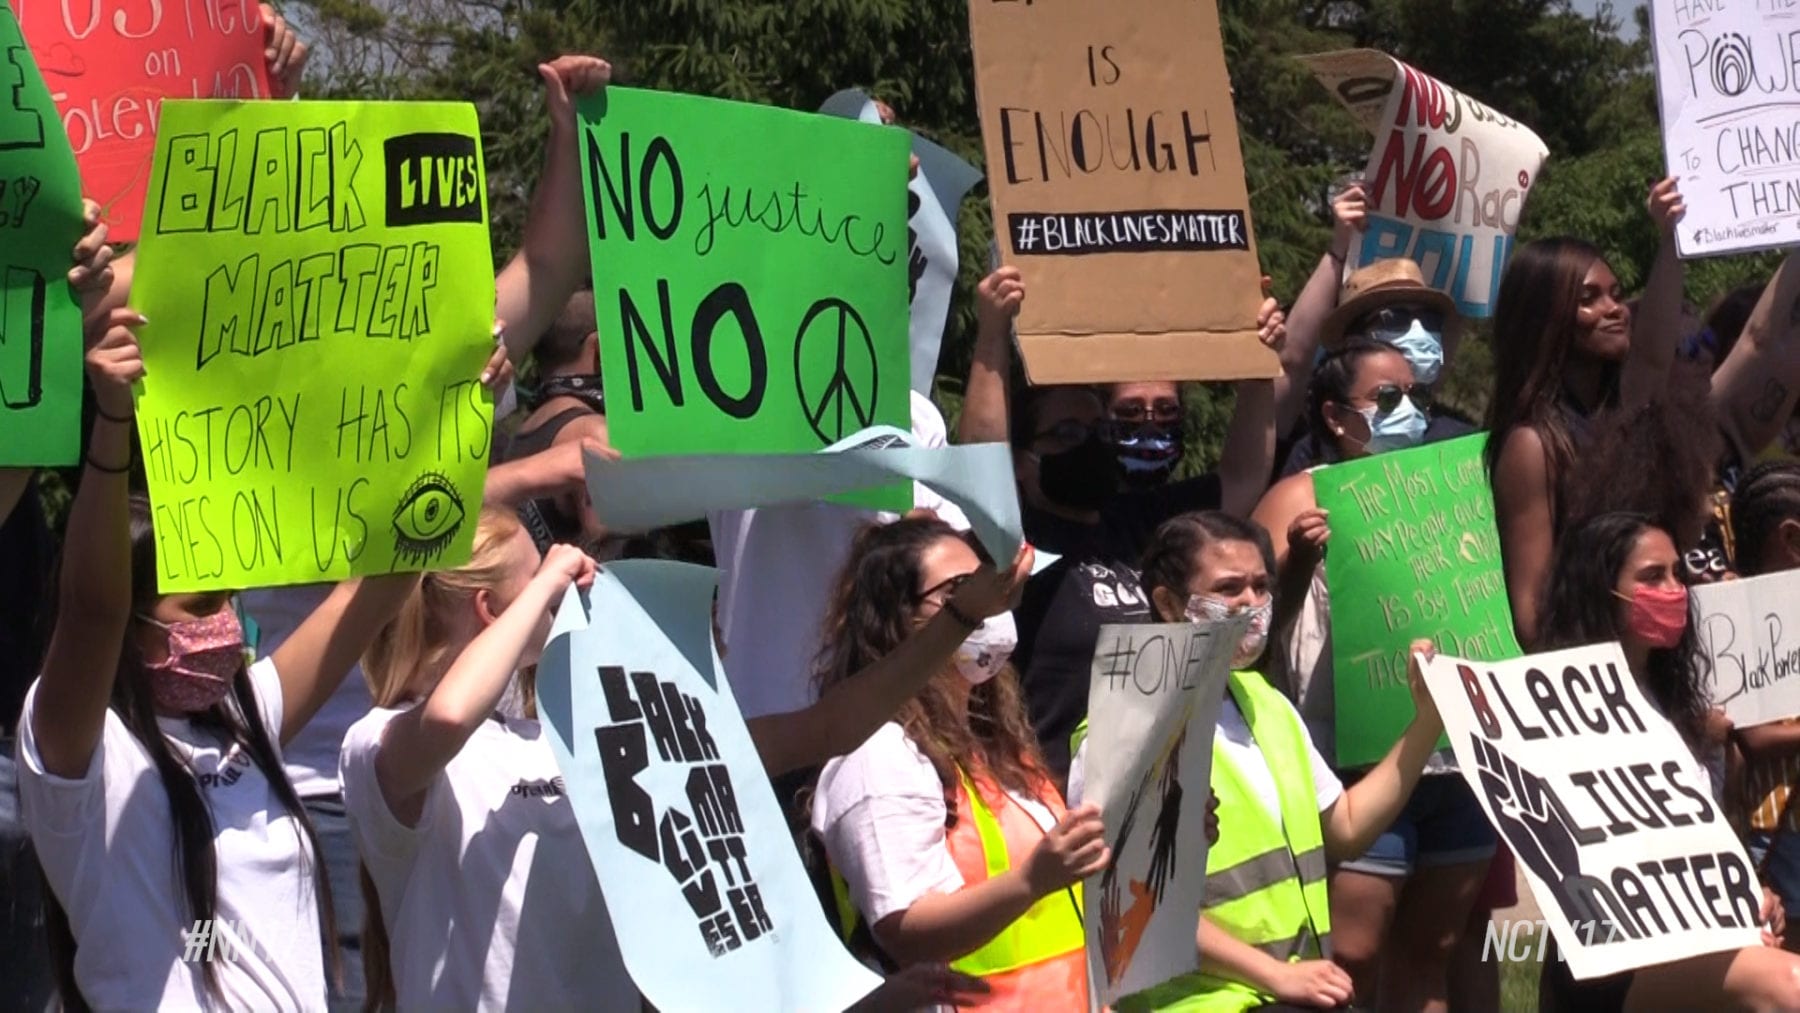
{"x": 94, "y": 594}
{"x": 1248, "y": 457}
{"x": 1369, "y": 806}
{"x": 1350, "y": 214}
{"x": 1656, "y": 327}
{"x": 417, "y": 745}
{"x": 322, "y": 650}
{"x": 1754, "y": 390}
{"x": 550, "y": 472}
{"x": 985, "y": 417}
{"x": 1298, "y": 531}
{"x": 553, "y": 257}
{"x": 851, "y": 712}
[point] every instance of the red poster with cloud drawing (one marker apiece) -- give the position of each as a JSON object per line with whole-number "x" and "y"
{"x": 111, "y": 63}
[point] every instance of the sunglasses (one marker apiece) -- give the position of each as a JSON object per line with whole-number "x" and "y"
{"x": 1390, "y": 322}
{"x": 1162, "y": 412}
{"x": 948, "y": 586}
{"x": 1388, "y": 396}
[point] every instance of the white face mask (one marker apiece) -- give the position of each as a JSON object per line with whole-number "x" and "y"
{"x": 1205, "y": 608}
{"x": 984, "y": 652}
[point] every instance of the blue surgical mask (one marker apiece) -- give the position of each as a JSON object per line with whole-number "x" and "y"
{"x": 1397, "y": 430}
{"x": 1424, "y": 351}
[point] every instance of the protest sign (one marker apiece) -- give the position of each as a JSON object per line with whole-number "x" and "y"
{"x": 320, "y": 296}
{"x": 653, "y": 492}
{"x": 754, "y": 305}
{"x": 111, "y": 67}
{"x": 1612, "y": 819}
{"x": 1153, "y": 700}
{"x": 1749, "y": 633}
{"x": 932, "y": 198}
{"x": 1725, "y": 78}
{"x": 1118, "y": 189}
{"x": 40, "y": 223}
{"x": 1446, "y": 181}
{"x": 707, "y": 896}
{"x": 1413, "y": 554}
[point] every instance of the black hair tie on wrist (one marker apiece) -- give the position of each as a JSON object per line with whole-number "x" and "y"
{"x": 97, "y": 466}
{"x": 121, "y": 419}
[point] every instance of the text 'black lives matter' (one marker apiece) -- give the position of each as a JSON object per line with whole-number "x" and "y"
{"x": 1049, "y": 233}
{"x": 703, "y": 852}
{"x": 432, "y": 179}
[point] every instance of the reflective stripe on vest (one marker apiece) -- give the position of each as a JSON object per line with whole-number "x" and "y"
{"x": 1051, "y": 928}
{"x": 1265, "y": 881}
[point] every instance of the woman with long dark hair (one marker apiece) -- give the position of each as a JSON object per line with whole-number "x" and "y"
{"x": 946, "y": 827}
{"x": 151, "y": 757}
{"x": 1616, "y": 577}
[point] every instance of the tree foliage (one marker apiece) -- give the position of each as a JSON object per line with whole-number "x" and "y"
{"x": 1585, "y": 90}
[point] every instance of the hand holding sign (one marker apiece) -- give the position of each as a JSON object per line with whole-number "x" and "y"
{"x": 1072, "y": 851}
{"x": 989, "y": 592}
{"x": 114, "y": 360}
{"x": 1666, "y": 207}
{"x": 568, "y": 78}
{"x": 93, "y": 271}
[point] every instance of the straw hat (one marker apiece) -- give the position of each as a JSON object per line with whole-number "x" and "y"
{"x": 1396, "y": 280}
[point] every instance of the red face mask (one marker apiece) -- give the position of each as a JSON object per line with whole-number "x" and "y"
{"x": 1659, "y": 616}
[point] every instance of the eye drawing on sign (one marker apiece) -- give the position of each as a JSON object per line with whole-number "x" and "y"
{"x": 824, "y": 397}
{"x": 1122, "y": 931}
{"x": 427, "y": 519}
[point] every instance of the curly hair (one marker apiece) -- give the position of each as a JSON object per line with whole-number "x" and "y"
{"x": 1766, "y": 496}
{"x": 874, "y": 607}
{"x": 1680, "y": 433}
{"x": 1580, "y": 609}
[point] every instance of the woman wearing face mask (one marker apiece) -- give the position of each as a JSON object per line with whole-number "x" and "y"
{"x": 1616, "y": 577}
{"x": 949, "y": 836}
{"x": 1263, "y": 927}
{"x": 151, "y": 753}
{"x": 454, "y": 856}
{"x": 1437, "y": 853}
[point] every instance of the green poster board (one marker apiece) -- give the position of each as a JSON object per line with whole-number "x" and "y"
{"x": 320, "y": 292}
{"x": 750, "y": 274}
{"x": 40, "y": 223}
{"x": 1413, "y": 553}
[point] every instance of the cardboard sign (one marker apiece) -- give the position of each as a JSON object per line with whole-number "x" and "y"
{"x": 1612, "y": 819}
{"x": 111, "y": 66}
{"x": 1414, "y": 553}
{"x": 1749, "y": 633}
{"x": 706, "y": 893}
{"x": 40, "y": 223}
{"x": 1447, "y": 179}
{"x": 1724, "y": 78}
{"x": 747, "y": 304}
{"x": 932, "y": 199}
{"x": 320, "y": 292}
{"x": 1153, "y": 702}
{"x": 1118, "y": 189}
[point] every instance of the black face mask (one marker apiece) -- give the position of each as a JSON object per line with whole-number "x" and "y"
{"x": 1085, "y": 477}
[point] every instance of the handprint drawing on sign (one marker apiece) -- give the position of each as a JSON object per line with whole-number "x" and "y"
{"x": 1540, "y": 831}
{"x": 1121, "y": 932}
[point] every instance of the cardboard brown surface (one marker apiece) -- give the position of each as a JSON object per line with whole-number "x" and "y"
{"x": 1118, "y": 189}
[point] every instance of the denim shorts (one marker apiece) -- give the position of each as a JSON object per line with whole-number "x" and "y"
{"x": 1442, "y": 824}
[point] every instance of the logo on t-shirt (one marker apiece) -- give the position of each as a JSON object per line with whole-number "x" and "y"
{"x": 1112, "y": 590}
{"x": 552, "y": 788}
{"x": 231, "y": 769}
{"x": 701, "y": 851}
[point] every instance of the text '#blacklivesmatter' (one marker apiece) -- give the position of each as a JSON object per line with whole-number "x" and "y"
{"x": 704, "y": 852}
{"x": 1151, "y": 231}
{"x": 283, "y": 181}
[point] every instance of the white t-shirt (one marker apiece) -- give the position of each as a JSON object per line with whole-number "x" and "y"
{"x": 778, "y": 567}
{"x": 491, "y": 901}
{"x": 313, "y": 755}
{"x": 107, "y": 843}
{"x": 880, "y": 812}
{"x": 1234, "y": 738}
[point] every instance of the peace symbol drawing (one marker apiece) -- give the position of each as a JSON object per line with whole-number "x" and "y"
{"x": 835, "y": 370}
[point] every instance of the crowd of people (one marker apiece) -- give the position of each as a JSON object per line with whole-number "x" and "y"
{"x": 329, "y": 775}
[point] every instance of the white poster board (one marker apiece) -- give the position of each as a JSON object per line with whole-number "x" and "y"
{"x": 1749, "y": 633}
{"x": 1152, "y": 705}
{"x": 1612, "y": 820}
{"x": 1446, "y": 180}
{"x": 1724, "y": 79}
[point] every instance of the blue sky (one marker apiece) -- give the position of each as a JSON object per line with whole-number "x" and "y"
{"x": 1623, "y": 7}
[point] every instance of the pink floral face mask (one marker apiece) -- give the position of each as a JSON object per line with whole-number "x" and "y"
{"x": 202, "y": 657}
